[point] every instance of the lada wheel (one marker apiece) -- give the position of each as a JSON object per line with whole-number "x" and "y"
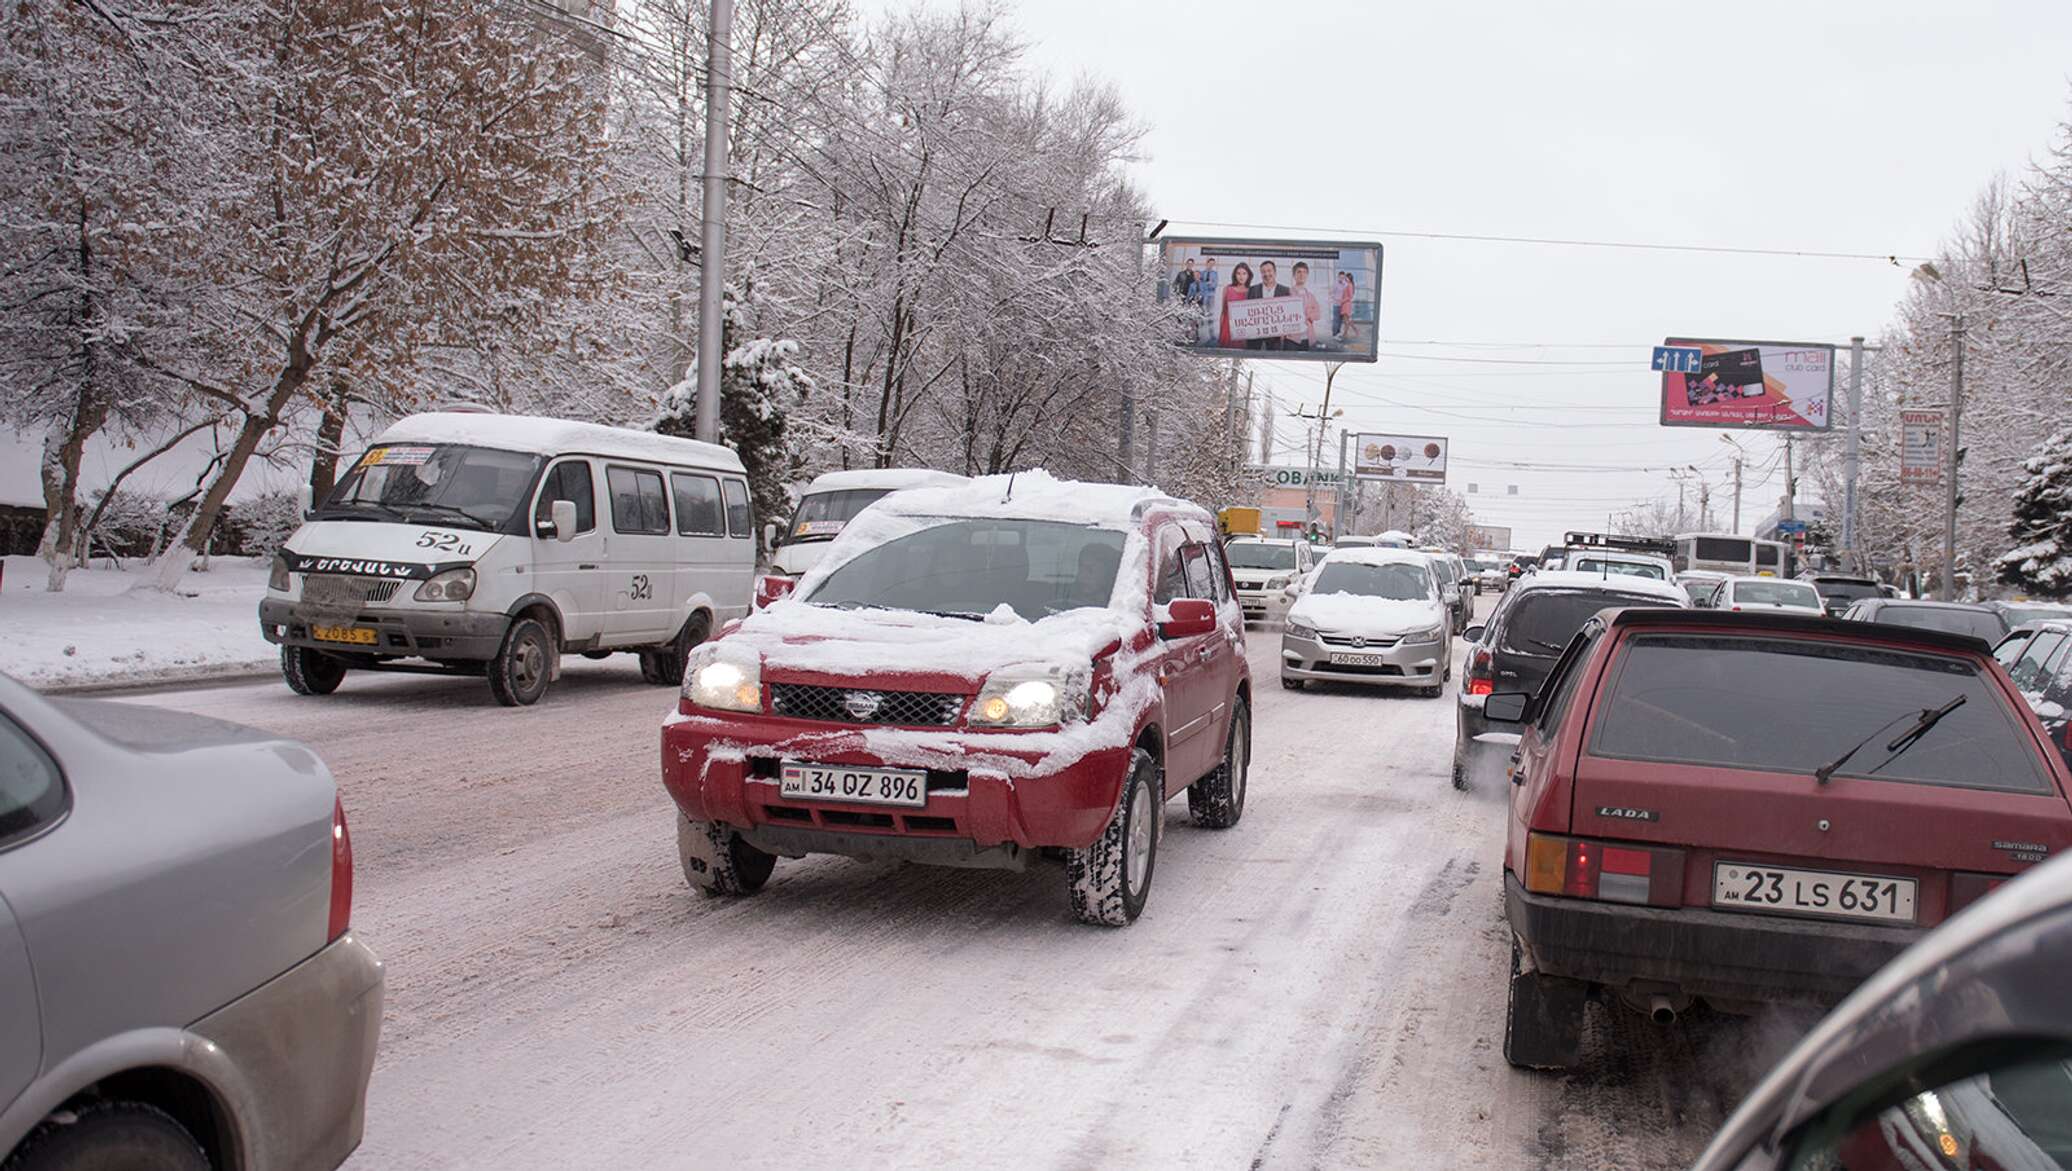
{"x": 1110, "y": 879}
{"x": 1217, "y": 800}
{"x": 309, "y": 671}
{"x": 717, "y": 861}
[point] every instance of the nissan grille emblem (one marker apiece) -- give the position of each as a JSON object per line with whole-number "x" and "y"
{"x": 1358, "y": 641}
{"x": 862, "y": 704}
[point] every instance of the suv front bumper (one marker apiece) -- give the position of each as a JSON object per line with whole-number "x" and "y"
{"x": 1727, "y": 956}
{"x": 433, "y": 634}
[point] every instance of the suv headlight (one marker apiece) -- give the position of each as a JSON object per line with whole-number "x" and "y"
{"x": 277, "y": 577}
{"x": 1031, "y": 698}
{"x": 1298, "y": 630}
{"x": 454, "y": 585}
{"x": 1423, "y": 637}
{"x": 1278, "y": 583}
{"x": 723, "y": 679}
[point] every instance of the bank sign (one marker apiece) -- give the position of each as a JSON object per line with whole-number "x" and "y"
{"x": 1296, "y": 477}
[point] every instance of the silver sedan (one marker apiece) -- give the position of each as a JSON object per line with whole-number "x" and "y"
{"x": 178, "y": 984}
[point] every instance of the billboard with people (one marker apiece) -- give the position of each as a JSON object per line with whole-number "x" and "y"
{"x": 1299, "y": 299}
{"x": 1782, "y": 386}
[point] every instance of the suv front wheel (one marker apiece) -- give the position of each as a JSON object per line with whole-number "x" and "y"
{"x": 1110, "y": 879}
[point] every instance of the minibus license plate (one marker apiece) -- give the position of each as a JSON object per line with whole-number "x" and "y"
{"x": 354, "y": 634}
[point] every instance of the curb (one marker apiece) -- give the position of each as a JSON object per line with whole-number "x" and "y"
{"x": 219, "y": 675}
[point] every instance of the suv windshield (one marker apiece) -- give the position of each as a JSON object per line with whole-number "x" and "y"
{"x": 1260, "y": 555}
{"x": 1783, "y": 705}
{"x": 1399, "y": 581}
{"x": 1979, "y": 624}
{"x": 443, "y": 484}
{"x": 1775, "y": 593}
{"x": 1617, "y": 568}
{"x": 1541, "y": 622}
{"x": 822, "y": 515}
{"x": 969, "y": 568}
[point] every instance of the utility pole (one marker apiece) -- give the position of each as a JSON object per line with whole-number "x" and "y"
{"x": 1704, "y": 504}
{"x": 1125, "y": 433}
{"x": 1151, "y": 447}
{"x": 1850, "y": 453}
{"x": 712, "y": 266}
{"x": 1949, "y": 581}
{"x": 1340, "y": 509}
{"x": 1791, "y": 486}
{"x": 1316, "y": 447}
{"x": 1737, "y": 493}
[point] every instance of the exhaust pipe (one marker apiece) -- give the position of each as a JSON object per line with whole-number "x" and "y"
{"x": 1661, "y": 1011}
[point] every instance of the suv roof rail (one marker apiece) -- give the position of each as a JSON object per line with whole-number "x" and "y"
{"x": 1660, "y": 545}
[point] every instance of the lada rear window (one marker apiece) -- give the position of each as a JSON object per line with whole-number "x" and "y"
{"x": 1792, "y": 706}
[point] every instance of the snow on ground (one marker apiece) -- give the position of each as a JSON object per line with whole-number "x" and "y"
{"x": 1320, "y": 986}
{"x": 100, "y": 631}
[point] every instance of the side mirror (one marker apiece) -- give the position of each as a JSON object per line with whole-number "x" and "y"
{"x": 564, "y": 522}
{"x": 1506, "y": 707}
{"x": 1474, "y": 633}
{"x": 1186, "y": 618}
{"x": 772, "y": 586}
{"x": 771, "y": 532}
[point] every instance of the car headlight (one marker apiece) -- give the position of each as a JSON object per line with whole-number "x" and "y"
{"x": 277, "y": 577}
{"x": 1423, "y": 637}
{"x": 724, "y": 680}
{"x": 454, "y": 585}
{"x": 1298, "y": 630}
{"x": 1031, "y": 699}
{"x": 1277, "y": 583}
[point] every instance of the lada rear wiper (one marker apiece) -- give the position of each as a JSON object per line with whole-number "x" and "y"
{"x": 1925, "y": 719}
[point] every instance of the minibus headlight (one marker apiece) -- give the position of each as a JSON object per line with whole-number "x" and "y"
{"x": 454, "y": 585}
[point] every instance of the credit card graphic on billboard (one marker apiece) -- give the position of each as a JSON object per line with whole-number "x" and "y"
{"x": 1776, "y": 385}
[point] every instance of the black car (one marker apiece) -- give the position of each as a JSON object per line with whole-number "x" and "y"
{"x": 2039, "y": 660}
{"x": 1838, "y": 591}
{"x": 1952, "y": 617}
{"x": 1518, "y": 645}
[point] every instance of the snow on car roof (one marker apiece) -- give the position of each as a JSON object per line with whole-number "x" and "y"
{"x": 882, "y": 478}
{"x": 1035, "y": 495}
{"x": 539, "y": 435}
{"x": 1249, "y": 540}
{"x": 1379, "y": 555}
{"x": 1548, "y": 579}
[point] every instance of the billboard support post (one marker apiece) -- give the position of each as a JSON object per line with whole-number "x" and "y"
{"x": 1949, "y": 582}
{"x": 1851, "y": 453}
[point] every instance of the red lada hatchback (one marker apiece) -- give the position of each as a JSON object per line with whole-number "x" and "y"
{"x": 1749, "y": 808}
{"x": 975, "y": 675}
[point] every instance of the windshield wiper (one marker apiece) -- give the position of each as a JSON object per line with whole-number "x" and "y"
{"x": 373, "y": 504}
{"x": 967, "y": 615}
{"x": 456, "y": 510}
{"x": 1925, "y": 719}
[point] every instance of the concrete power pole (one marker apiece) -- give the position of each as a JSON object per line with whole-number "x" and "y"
{"x": 712, "y": 266}
{"x": 1851, "y": 454}
{"x": 1125, "y": 433}
{"x": 1949, "y": 581}
{"x": 1737, "y": 494}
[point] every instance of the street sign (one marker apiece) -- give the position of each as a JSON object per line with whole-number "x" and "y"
{"x": 1920, "y": 447}
{"x": 1677, "y": 359}
{"x": 1792, "y": 526}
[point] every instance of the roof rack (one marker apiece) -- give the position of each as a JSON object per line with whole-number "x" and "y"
{"x": 1660, "y": 545}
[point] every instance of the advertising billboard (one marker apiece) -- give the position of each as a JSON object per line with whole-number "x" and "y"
{"x": 1490, "y": 538}
{"x": 1778, "y": 386}
{"x": 1307, "y": 300}
{"x": 1920, "y": 447}
{"x": 1417, "y": 458}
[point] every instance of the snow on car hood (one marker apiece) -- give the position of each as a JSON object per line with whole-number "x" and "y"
{"x": 799, "y": 636}
{"x": 347, "y": 541}
{"x": 1365, "y": 616}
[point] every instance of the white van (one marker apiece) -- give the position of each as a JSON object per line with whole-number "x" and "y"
{"x": 478, "y": 544}
{"x": 832, "y": 500}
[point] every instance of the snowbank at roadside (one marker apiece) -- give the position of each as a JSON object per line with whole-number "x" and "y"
{"x": 96, "y": 631}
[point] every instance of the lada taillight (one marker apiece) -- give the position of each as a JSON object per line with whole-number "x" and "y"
{"x": 1587, "y": 869}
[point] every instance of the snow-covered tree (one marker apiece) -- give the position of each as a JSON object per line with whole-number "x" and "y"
{"x": 2041, "y": 561}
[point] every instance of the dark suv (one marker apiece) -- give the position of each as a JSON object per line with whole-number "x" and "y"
{"x": 1518, "y": 645}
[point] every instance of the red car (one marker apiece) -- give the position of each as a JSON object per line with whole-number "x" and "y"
{"x": 976, "y": 675}
{"x": 1748, "y": 808}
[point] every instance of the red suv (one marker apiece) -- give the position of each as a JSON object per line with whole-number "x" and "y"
{"x": 1744, "y": 808}
{"x": 975, "y": 675}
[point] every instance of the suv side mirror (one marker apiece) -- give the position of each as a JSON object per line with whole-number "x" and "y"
{"x": 772, "y": 586}
{"x": 771, "y": 532}
{"x": 1186, "y": 618}
{"x": 1506, "y": 707}
{"x": 1474, "y": 633}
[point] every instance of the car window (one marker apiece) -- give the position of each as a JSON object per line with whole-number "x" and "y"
{"x": 32, "y": 791}
{"x": 569, "y": 480}
{"x": 1194, "y": 567}
{"x": 1789, "y": 705}
{"x": 1262, "y": 555}
{"x": 2009, "y": 650}
{"x": 1219, "y": 573}
{"x": 1560, "y": 688}
{"x": 1400, "y": 581}
{"x": 2018, "y": 1113}
{"x": 697, "y": 505}
{"x": 1617, "y": 568}
{"x": 740, "y": 523}
{"x": 1775, "y": 593}
{"x": 2027, "y": 671}
{"x": 1979, "y": 624}
{"x": 821, "y": 515}
{"x": 969, "y": 568}
{"x": 1542, "y": 621}
{"x": 638, "y": 505}
{"x": 1171, "y": 581}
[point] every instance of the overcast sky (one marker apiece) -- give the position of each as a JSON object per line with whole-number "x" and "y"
{"x": 1853, "y": 127}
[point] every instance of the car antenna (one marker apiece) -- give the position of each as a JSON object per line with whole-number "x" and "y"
{"x": 1010, "y": 487}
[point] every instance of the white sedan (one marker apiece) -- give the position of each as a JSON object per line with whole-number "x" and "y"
{"x": 1767, "y": 593}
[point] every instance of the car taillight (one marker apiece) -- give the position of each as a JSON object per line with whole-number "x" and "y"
{"x": 1480, "y": 679}
{"x": 1584, "y": 869}
{"x": 1966, "y": 889}
{"x": 341, "y": 873}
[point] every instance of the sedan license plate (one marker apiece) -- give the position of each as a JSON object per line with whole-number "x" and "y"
{"x": 1341, "y": 659}
{"x": 869, "y": 786}
{"x": 362, "y": 635}
{"x": 1780, "y": 890}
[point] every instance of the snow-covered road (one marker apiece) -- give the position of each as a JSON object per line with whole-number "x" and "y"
{"x": 1319, "y": 987}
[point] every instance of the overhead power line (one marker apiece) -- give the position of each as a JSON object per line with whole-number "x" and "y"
{"x": 1893, "y": 258}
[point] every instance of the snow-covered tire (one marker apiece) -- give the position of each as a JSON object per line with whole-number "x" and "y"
{"x": 1217, "y": 800}
{"x": 524, "y": 665}
{"x": 1543, "y": 1018}
{"x": 1292, "y": 684}
{"x": 310, "y": 671}
{"x": 1110, "y": 879}
{"x": 717, "y": 861}
{"x": 107, "y": 1135}
{"x": 664, "y": 665}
